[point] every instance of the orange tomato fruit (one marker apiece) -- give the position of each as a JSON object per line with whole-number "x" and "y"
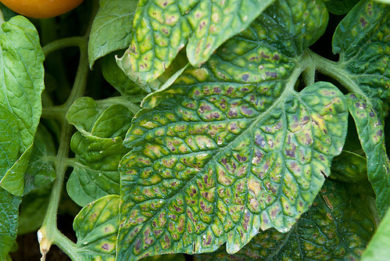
{"x": 41, "y": 8}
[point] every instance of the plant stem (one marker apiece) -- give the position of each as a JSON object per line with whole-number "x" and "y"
{"x": 54, "y": 112}
{"x": 63, "y": 43}
{"x": 49, "y": 232}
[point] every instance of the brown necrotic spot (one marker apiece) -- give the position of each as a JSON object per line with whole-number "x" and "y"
{"x": 105, "y": 246}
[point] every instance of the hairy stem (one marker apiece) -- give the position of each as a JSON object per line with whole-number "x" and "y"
{"x": 49, "y": 233}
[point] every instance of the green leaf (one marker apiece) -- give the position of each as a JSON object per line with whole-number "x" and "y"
{"x": 340, "y": 7}
{"x": 379, "y": 247}
{"x": 111, "y": 28}
{"x": 117, "y": 78}
{"x": 21, "y": 81}
{"x": 95, "y": 172}
{"x": 337, "y": 227}
{"x": 98, "y": 149}
{"x": 232, "y": 148}
{"x": 9, "y": 206}
{"x": 162, "y": 27}
{"x": 371, "y": 134}
{"x": 96, "y": 228}
{"x": 40, "y": 172}
{"x": 362, "y": 41}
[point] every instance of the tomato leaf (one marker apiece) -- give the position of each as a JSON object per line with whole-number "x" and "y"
{"x": 118, "y": 79}
{"x": 232, "y": 148}
{"x": 96, "y": 228}
{"x": 98, "y": 149}
{"x": 379, "y": 247}
{"x": 21, "y": 81}
{"x": 333, "y": 229}
{"x": 111, "y": 28}
{"x": 362, "y": 39}
{"x": 162, "y": 27}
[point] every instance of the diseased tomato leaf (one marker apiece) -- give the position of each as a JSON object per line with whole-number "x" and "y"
{"x": 363, "y": 42}
{"x": 162, "y": 27}
{"x": 231, "y": 148}
{"x": 337, "y": 227}
{"x": 111, "y": 28}
{"x": 371, "y": 133}
{"x": 98, "y": 149}
{"x": 21, "y": 85}
{"x": 96, "y": 228}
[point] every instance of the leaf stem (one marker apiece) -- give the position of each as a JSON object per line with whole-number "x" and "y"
{"x": 336, "y": 71}
{"x": 309, "y": 75}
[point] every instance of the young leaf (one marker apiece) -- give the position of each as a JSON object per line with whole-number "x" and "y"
{"x": 9, "y": 206}
{"x": 232, "y": 148}
{"x": 21, "y": 81}
{"x": 98, "y": 149}
{"x": 95, "y": 172}
{"x": 337, "y": 227}
{"x": 111, "y": 28}
{"x": 40, "y": 172}
{"x": 162, "y": 27}
{"x": 96, "y": 229}
{"x": 364, "y": 46}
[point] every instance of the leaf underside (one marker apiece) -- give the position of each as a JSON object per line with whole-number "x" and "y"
{"x": 231, "y": 148}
